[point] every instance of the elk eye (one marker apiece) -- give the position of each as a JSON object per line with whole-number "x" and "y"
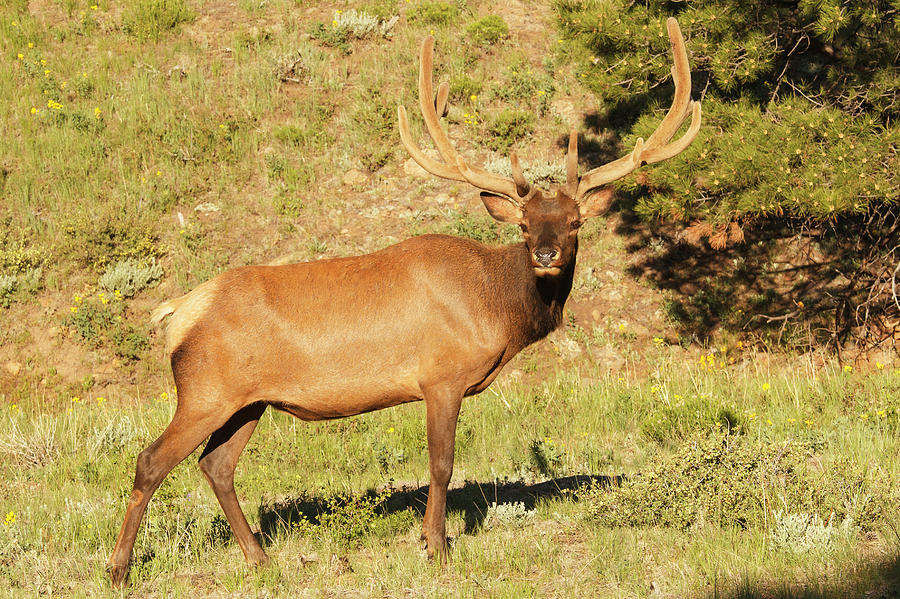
{"x": 576, "y": 224}
{"x": 524, "y": 227}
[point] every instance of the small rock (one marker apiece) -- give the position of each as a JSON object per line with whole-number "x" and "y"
{"x": 354, "y": 177}
{"x": 611, "y": 294}
{"x": 607, "y": 358}
{"x": 412, "y": 168}
{"x": 12, "y": 367}
{"x": 206, "y": 207}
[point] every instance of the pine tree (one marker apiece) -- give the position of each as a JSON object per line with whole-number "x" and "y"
{"x": 801, "y": 108}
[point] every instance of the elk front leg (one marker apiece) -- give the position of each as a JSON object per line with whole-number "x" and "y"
{"x": 442, "y": 411}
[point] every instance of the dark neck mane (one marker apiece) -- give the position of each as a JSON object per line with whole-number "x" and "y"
{"x": 532, "y": 301}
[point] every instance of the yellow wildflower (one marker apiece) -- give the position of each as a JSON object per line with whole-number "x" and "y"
{"x": 848, "y": 368}
{"x": 391, "y": 429}
{"x": 766, "y": 386}
{"x": 20, "y": 56}
{"x": 10, "y": 518}
{"x": 100, "y": 400}
{"x": 34, "y": 110}
{"x": 879, "y": 365}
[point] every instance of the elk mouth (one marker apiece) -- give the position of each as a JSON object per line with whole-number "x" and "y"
{"x": 547, "y": 271}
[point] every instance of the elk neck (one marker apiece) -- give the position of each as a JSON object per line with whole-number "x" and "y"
{"x": 534, "y": 304}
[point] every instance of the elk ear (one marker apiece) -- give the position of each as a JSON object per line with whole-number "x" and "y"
{"x": 501, "y": 208}
{"x": 596, "y": 203}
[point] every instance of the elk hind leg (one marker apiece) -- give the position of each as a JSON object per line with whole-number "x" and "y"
{"x": 184, "y": 434}
{"x": 219, "y": 459}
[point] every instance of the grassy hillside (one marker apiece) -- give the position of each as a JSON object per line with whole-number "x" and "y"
{"x": 150, "y": 145}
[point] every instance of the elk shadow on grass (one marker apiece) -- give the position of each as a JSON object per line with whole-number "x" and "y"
{"x": 471, "y": 498}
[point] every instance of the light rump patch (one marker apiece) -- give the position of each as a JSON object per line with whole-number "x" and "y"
{"x": 185, "y": 311}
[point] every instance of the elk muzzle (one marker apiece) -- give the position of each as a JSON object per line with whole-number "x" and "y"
{"x": 545, "y": 256}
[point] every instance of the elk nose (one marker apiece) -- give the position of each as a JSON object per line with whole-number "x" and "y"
{"x": 545, "y": 256}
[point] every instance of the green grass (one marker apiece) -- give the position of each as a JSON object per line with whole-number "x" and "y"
{"x": 310, "y": 488}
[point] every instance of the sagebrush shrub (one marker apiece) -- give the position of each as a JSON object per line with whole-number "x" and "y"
{"x": 507, "y": 514}
{"x": 130, "y": 276}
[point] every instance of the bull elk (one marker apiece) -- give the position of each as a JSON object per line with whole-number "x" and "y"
{"x": 432, "y": 318}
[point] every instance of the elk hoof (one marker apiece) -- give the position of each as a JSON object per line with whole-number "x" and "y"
{"x": 439, "y": 552}
{"x": 118, "y": 574}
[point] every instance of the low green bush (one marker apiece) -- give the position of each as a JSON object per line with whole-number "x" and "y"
{"x": 433, "y": 13}
{"x": 487, "y": 30}
{"x": 727, "y": 480}
{"x": 508, "y": 127}
{"x": 150, "y": 19}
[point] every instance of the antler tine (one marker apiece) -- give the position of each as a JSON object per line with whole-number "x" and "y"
{"x": 432, "y": 106}
{"x": 657, "y": 147}
{"x": 440, "y": 101}
{"x": 426, "y": 102}
{"x": 572, "y": 163}
{"x": 681, "y": 74}
{"x": 444, "y": 171}
{"x": 522, "y": 185}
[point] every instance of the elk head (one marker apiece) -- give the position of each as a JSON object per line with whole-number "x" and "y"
{"x": 550, "y": 220}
